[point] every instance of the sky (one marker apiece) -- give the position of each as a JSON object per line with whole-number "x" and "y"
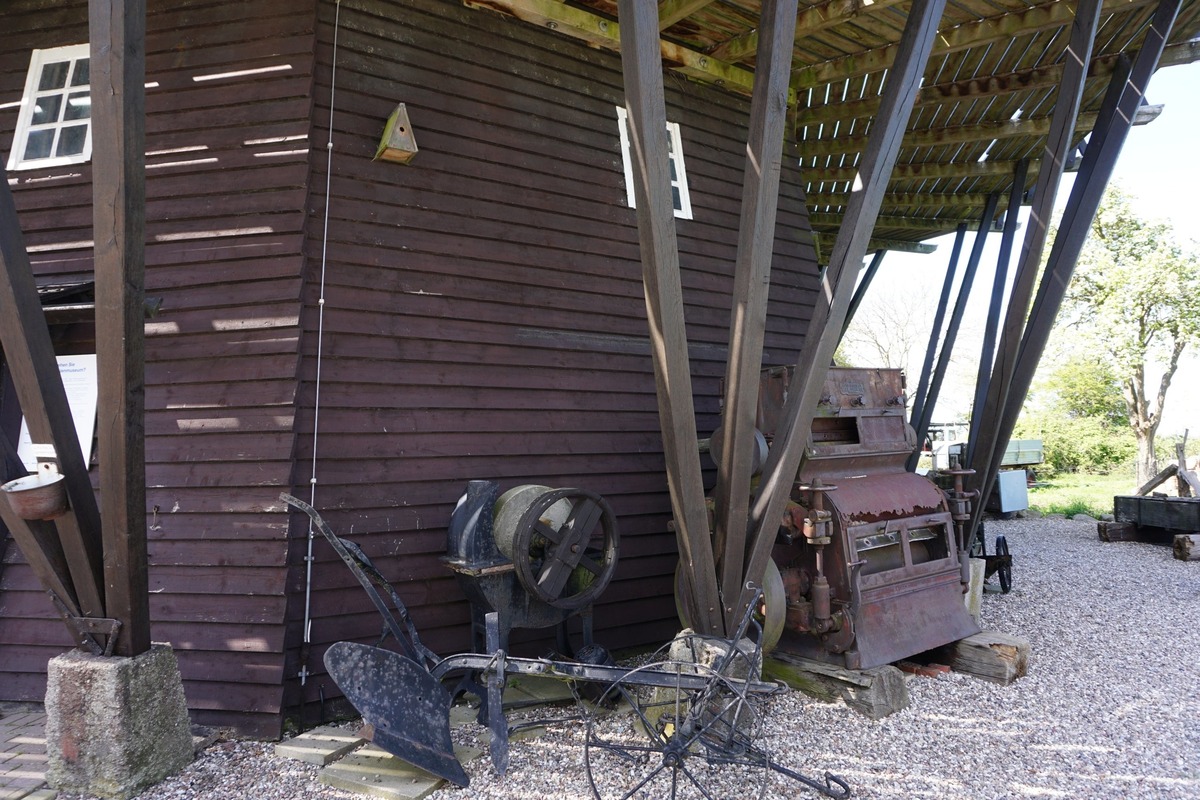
{"x": 1159, "y": 165}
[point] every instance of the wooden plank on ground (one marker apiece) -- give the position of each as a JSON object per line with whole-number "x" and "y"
{"x": 875, "y": 693}
{"x": 996, "y": 657}
{"x": 1187, "y": 546}
{"x": 642, "y": 69}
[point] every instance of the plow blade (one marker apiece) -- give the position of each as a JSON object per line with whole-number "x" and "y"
{"x": 408, "y": 708}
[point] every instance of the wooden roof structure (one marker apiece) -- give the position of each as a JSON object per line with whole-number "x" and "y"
{"x": 985, "y": 102}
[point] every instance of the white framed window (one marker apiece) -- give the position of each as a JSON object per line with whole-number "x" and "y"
{"x": 679, "y": 185}
{"x": 54, "y": 126}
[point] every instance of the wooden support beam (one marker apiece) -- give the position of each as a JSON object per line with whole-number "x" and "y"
{"x": 642, "y": 68}
{"x": 899, "y": 246}
{"x": 601, "y": 32}
{"x": 849, "y": 248}
{"x": 672, "y": 11}
{"x": 1116, "y": 118}
{"x": 118, "y": 64}
{"x": 1026, "y": 80}
{"x": 823, "y": 241}
{"x": 30, "y": 355}
{"x": 986, "y": 421}
{"x": 809, "y": 21}
{"x": 751, "y": 279}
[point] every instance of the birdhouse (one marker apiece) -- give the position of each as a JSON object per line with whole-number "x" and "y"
{"x": 398, "y": 143}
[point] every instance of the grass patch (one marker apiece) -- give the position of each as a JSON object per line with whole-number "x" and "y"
{"x": 1079, "y": 493}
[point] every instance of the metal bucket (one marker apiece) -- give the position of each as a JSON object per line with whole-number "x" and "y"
{"x": 38, "y": 496}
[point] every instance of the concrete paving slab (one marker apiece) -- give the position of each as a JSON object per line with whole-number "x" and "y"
{"x": 374, "y": 771}
{"x": 535, "y": 689}
{"x": 320, "y": 746}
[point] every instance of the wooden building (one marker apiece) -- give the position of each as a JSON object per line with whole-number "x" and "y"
{"x": 380, "y": 333}
{"x": 482, "y": 316}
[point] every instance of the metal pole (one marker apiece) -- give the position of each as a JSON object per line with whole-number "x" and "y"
{"x": 863, "y": 286}
{"x": 1099, "y": 160}
{"x": 960, "y": 309}
{"x": 991, "y": 329}
{"x": 935, "y": 334}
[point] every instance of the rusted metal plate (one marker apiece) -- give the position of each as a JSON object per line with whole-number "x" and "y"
{"x": 883, "y": 497}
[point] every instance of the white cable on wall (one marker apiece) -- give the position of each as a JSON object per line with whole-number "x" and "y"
{"x": 312, "y": 481}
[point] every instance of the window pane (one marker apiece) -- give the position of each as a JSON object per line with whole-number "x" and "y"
{"x": 675, "y": 199}
{"x": 82, "y": 76}
{"x": 38, "y": 144}
{"x": 72, "y": 140}
{"x": 674, "y": 174}
{"x": 54, "y": 76}
{"x": 79, "y": 106}
{"x": 45, "y": 109}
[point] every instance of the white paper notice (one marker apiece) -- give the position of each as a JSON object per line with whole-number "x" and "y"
{"x": 79, "y": 380}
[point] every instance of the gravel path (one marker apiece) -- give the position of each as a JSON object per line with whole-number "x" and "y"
{"x": 1110, "y": 707}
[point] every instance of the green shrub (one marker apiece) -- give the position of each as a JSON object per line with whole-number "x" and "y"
{"x": 1079, "y": 444}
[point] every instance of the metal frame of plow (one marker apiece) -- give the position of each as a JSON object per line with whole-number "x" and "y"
{"x": 400, "y": 695}
{"x": 850, "y": 247}
{"x": 1108, "y": 137}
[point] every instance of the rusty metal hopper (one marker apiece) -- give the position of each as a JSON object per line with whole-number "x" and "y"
{"x": 869, "y": 558}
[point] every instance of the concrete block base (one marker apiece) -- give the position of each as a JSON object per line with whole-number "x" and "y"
{"x": 115, "y": 725}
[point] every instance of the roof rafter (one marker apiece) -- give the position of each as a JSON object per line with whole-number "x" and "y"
{"x": 824, "y": 241}
{"x": 893, "y": 223}
{"x": 672, "y": 11}
{"x": 960, "y": 37}
{"x": 979, "y": 132}
{"x": 932, "y": 172}
{"x": 1047, "y": 77}
{"x": 908, "y": 199}
{"x": 602, "y": 32}
{"x": 808, "y": 22}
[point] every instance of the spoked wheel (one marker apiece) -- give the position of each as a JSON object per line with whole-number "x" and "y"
{"x": 1005, "y": 569}
{"x": 677, "y": 742}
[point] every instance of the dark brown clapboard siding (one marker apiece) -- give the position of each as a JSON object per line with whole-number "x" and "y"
{"x": 227, "y": 171}
{"x": 483, "y": 310}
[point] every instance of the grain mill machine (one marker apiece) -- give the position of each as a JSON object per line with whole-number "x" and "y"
{"x": 534, "y": 555}
{"x": 870, "y": 555}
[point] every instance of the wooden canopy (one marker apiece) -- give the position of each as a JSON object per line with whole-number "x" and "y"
{"x": 985, "y": 102}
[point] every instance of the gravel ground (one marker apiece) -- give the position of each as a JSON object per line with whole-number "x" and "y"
{"x": 1110, "y": 707}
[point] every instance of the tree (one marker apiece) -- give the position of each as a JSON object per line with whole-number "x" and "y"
{"x": 1136, "y": 293}
{"x": 1087, "y": 386}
